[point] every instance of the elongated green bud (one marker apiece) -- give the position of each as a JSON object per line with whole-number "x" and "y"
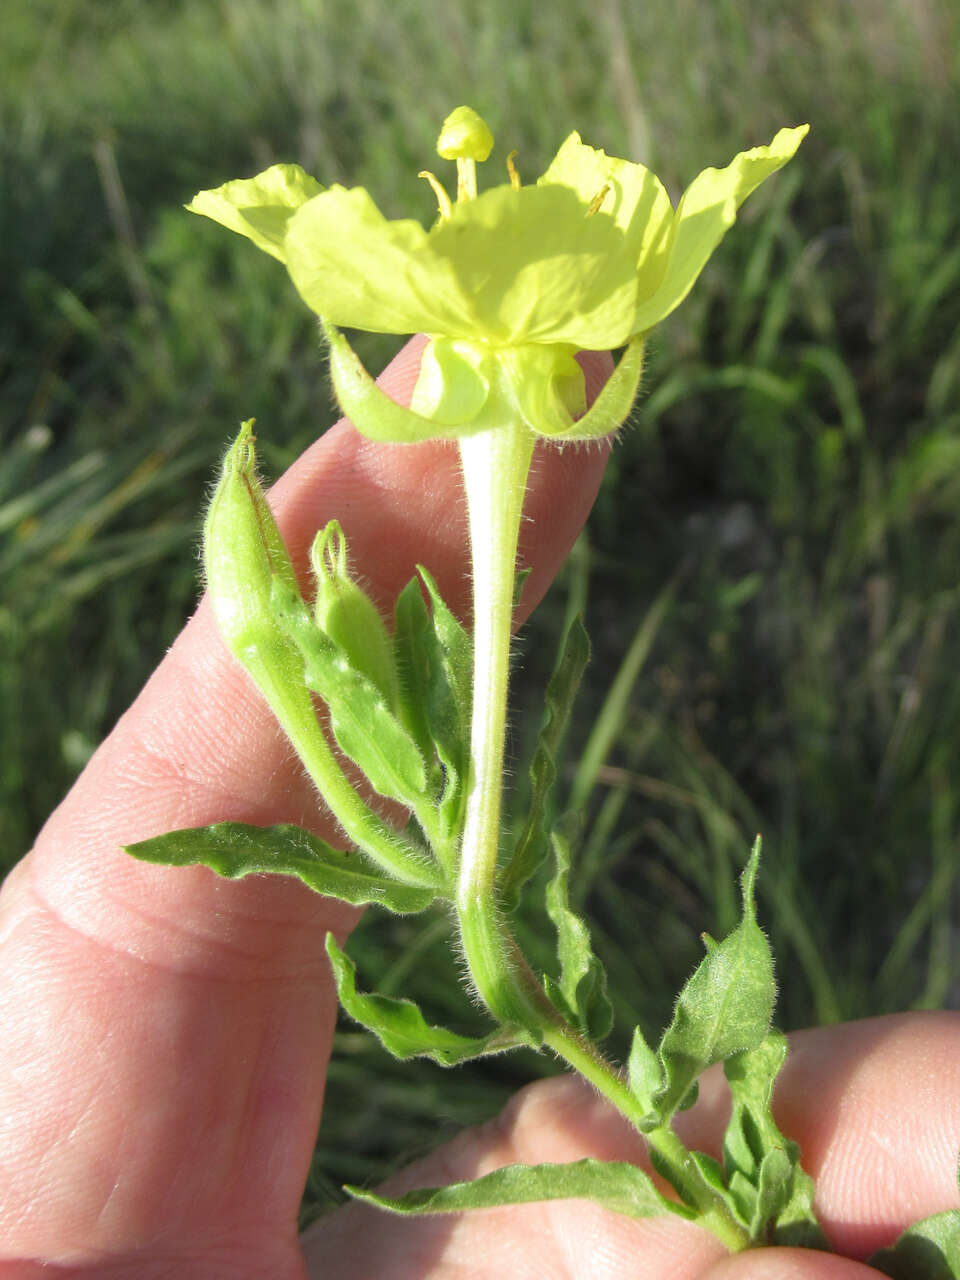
{"x": 248, "y": 570}
{"x": 243, "y": 553}
{"x": 347, "y": 615}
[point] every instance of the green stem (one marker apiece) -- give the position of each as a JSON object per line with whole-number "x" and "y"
{"x": 675, "y": 1159}
{"x": 293, "y": 707}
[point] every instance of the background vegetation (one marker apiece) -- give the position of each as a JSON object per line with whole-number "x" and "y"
{"x": 776, "y": 547}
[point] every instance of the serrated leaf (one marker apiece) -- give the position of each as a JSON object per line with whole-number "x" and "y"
{"x": 622, "y": 1188}
{"x": 365, "y": 728}
{"x": 724, "y": 1008}
{"x": 561, "y": 692}
{"x": 644, "y": 1072}
{"x": 235, "y": 849}
{"x": 581, "y": 993}
{"x": 929, "y": 1250}
{"x": 402, "y": 1029}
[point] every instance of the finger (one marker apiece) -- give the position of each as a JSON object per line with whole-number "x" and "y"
{"x": 789, "y": 1264}
{"x": 874, "y": 1105}
{"x": 180, "y": 1002}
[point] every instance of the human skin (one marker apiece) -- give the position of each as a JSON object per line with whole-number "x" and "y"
{"x": 166, "y": 1033}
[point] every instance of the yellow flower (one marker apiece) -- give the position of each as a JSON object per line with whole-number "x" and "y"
{"x": 508, "y": 284}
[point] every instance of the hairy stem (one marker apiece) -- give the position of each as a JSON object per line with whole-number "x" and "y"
{"x": 495, "y": 465}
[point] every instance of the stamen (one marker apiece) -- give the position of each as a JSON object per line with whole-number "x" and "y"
{"x": 443, "y": 200}
{"x": 597, "y": 201}
{"x": 512, "y": 170}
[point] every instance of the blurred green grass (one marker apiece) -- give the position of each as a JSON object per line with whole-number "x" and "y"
{"x": 779, "y": 527}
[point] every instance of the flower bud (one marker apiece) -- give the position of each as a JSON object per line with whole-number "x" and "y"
{"x": 347, "y": 615}
{"x": 243, "y": 554}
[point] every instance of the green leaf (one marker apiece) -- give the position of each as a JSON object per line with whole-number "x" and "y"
{"x": 581, "y": 993}
{"x": 773, "y": 1193}
{"x": 622, "y": 1188}
{"x": 362, "y": 723}
{"x": 724, "y": 1008}
{"x": 644, "y": 1072}
{"x": 561, "y": 691}
{"x": 402, "y": 1029}
{"x": 929, "y": 1250}
{"x": 446, "y": 686}
{"x": 412, "y": 650}
{"x": 234, "y": 849}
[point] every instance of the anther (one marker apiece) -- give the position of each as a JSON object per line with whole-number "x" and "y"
{"x": 512, "y": 170}
{"x": 598, "y": 200}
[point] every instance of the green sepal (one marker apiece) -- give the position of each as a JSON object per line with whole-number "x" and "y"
{"x": 620, "y": 1187}
{"x": 236, "y": 849}
{"x": 774, "y": 1194}
{"x": 561, "y": 692}
{"x": 929, "y": 1250}
{"x": 402, "y": 1029}
{"x": 370, "y": 409}
{"x": 725, "y": 1006}
{"x": 613, "y": 404}
{"x": 364, "y": 726}
{"x": 581, "y": 992}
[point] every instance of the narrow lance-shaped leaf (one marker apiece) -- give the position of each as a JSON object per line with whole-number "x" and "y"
{"x": 402, "y": 1029}
{"x": 581, "y": 992}
{"x": 622, "y": 1188}
{"x": 235, "y": 849}
{"x": 561, "y": 691}
{"x": 363, "y": 725}
{"x": 725, "y": 1006}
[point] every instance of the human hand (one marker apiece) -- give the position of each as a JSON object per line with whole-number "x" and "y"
{"x": 166, "y": 1033}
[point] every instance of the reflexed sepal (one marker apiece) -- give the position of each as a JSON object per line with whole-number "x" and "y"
{"x": 402, "y": 1029}
{"x": 369, "y": 408}
{"x": 236, "y": 849}
{"x": 620, "y": 1187}
{"x": 613, "y": 404}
